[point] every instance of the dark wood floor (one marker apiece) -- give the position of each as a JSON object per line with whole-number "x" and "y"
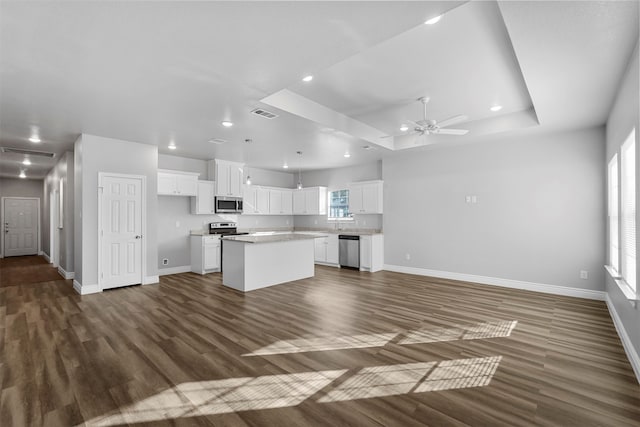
{"x": 342, "y": 348}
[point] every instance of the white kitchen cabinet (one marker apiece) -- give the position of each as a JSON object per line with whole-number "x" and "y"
{"x": 177, "y": 183}
{"x": 204, "y": 201}
{"x": 310, "y": 201}
{"x": 280, "y": 201}
{"x": 228, "y": 178}
{"x": 371, "y": 252}
{"x": 255, "y": 200}
{"x": 365, "y": 197}
{"x": 205, "y": 254}
{"x": 326, "y": 250}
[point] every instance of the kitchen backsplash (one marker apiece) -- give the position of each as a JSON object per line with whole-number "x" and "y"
{"x": 359, "y": 222}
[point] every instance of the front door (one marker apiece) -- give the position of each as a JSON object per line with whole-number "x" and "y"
{"x": 20, "y": 226}
{"x": 121, "y": 230}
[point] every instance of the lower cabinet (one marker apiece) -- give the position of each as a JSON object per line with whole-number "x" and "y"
{"x": 327, "y": 250}
{"x": 371, "y": 252}
{"x": 205, "y": 254}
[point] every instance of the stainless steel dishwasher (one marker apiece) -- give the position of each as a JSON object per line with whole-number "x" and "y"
{"x": 349, "y": 250}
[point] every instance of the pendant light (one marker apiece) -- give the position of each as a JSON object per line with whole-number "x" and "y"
{"x": 248, "y": 181}
{"x": 299, "y": 153}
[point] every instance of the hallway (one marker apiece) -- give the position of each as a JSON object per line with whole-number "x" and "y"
{"x": 26, "y": 269}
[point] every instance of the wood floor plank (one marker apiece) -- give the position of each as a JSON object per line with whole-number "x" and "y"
{"x": 396, "y": 349}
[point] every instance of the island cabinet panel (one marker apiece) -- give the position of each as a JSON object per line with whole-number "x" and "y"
{"x": 253, "y": 262}
{"x": 371, "y": 252}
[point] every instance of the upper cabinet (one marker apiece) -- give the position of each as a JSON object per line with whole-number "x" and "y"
{"x": 255, "y": 200}
{"x": 280, "y": 201}
{"x": 177, "y": 183}
{"x": 204, "y": 202}
{"x": 310, "y": 201}
{"x": 365, "y": 197}
{"x": 228, "y": 178}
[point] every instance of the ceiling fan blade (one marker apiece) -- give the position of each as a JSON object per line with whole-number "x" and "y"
{"x": 452, "y": 131}
{"x": 452, "y": 120}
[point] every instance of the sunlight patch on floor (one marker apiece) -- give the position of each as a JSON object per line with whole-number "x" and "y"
{"x": 203, "y": 398}
{"x": 302, "y": 345}
{"x": 222, "y": 396}
{"x": 379, "y": 381}
{"x": 485, "y": 330}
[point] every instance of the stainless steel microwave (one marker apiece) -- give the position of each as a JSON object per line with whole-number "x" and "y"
{"x": 228, "y": 205}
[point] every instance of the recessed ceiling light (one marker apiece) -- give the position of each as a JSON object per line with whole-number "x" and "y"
{"x": 227, "y": 124}
{"x": 347, "y": 155}
{"x": 172, "y": 147}
{"x": 496, "y": 108}
{"x": 26, "y": 162}
{"x": 307, "y": 79}
{"x": 404, "y": 128}
{"x": 285, "y": 166}
{"x": 433, "y": 20}
{"x": 22, "y": 174}
{"x": 35, "y": 138}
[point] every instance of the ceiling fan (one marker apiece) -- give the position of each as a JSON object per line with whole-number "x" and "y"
{"x": 429, "y": 126}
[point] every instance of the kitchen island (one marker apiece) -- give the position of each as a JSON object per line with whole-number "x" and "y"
{"x": 252, "y": 262}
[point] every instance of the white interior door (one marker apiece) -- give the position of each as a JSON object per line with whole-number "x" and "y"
{"x": 53, "y": 227}
{"x": 20, "y": 226}
{"x": 121, "y": 228}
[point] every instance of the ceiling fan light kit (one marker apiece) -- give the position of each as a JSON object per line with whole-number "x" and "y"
{"x": 428, "y": 126}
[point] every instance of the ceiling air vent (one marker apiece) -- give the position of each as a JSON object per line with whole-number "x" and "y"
{"x": 264, "y": 113}
{"x": 29, "y": 152}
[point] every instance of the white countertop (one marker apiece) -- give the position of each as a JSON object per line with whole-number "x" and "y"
{"x": 272, "y": 238}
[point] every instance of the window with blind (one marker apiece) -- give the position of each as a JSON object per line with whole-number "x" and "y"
{"x": 628, "y": 207}
{"x": 614, "y": 251}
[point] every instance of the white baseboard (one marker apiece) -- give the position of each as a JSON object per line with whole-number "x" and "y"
{"x": 174, "y": 270}
{"x": 66, "y": 274}
{"x": 632, "y": 354}
{"x": 86, "y": 289}
{"x": 328, "y": 264}
{"x": 46, "y": 257}
{"x": 507, "y": 283}
{"x": 148, "y": 280}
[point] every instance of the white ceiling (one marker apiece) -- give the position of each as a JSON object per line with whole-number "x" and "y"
{"x": 155, "y": 72}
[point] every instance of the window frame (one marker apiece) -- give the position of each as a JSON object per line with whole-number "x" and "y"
{"x": 345, "y": 218}
{"x": 613, "y": 214}
{"x": 627, "y": 273}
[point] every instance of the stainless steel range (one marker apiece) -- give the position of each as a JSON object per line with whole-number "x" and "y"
{"x": 224, "y": 228}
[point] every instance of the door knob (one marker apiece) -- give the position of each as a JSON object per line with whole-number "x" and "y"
{"x": 138, "y": 237}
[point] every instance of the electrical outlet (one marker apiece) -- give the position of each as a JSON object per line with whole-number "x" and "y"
{"x": 287, "y": 222}
{"x": 474, "y": 199}
{"x": 315, "y": 222}
{"x": 177, "y": 224}
{"x": 584, "y": 274}
{"x": 407, "y": 256}
{"x": 467, "y": 199}
{"x": 165, "y": 261}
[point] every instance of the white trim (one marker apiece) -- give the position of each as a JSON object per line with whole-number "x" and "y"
{"x": 86, "y": 289}
{"x": 150, "y": 280}
{"x": 143, "y": 276}
{"x": 328, "y": 264}
{"x": 174, "y": 270}
{"x": 66, "y": 274}
{"x": 507, "y": 283}
{"x": 38, "y": 222}
{"x": 46, "y": 257}
{"x": 632, "y": 354}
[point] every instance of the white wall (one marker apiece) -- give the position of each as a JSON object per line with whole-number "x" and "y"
{"x": 96, "y": 154}
{"x": 63, "y": 169}
{"x": 19, "y": 187}
{"x": 624, "y": 116}
{"x": 539, "y": 216}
